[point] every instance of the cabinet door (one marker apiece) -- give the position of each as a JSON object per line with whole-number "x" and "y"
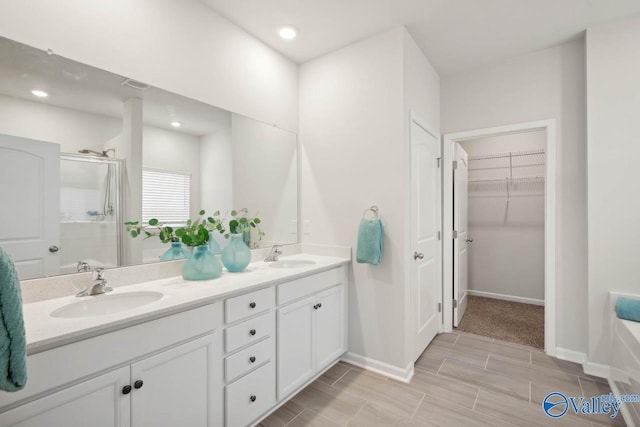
{"x": 295, "y": 346}
{"x": 98, "y": 402}
{"x": 177, "y": 386}
{"x": 329, "y": 326}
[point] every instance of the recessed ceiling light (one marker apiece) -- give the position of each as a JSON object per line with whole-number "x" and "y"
{"x": 176, "y": 124}
{"x": 40, "y": 93}
{"x": 287, "y": 32}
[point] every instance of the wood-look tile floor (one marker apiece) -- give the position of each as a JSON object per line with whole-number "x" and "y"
{"x": 460, "y": 380}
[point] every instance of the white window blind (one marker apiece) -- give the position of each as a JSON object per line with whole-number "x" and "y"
{"x": 165, "y": 196}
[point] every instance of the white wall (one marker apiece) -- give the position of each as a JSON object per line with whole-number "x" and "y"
{"x": 613, "y": 67}
{"x": 354, "y": 155}
{"x": 180, "y": 46}
{"x": 265, "y": 179}
{"x": 540, "y": 85}
{"x": 216, "y": 169}
{"x": 507, "y": 254}
{"x": 72, "y": 129}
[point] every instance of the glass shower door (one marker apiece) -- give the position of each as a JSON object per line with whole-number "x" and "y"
{"x": 90, "y": 229}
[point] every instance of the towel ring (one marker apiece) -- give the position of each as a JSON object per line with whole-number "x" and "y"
{"x": 373, "y": 209}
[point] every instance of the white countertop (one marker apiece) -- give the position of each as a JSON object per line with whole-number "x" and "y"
{"x": 45, "y": 332}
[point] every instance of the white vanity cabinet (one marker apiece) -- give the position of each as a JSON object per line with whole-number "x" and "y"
{"x": 97, "y": 402}
{"x": 311, "y": 328}
{"x": 169, "y": 389}
{"x": 162, "y": 373}
{"x": 250, "y": 375}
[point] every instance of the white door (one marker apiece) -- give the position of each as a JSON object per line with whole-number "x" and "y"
{"x": 329, "y": 326}
{"x": 29, "y": 191}
{"x": 175, "y": 387}
{"x": 98, "y": 402}
{"x": 295, "y": 345}
{"x": 426, "y": 255}
{"x": 461, "y": 234}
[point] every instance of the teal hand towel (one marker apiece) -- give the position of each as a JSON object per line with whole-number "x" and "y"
{"x": 629, "y": 309}
{"x": 13, "y": 343}
{"x": 370, "y": 241}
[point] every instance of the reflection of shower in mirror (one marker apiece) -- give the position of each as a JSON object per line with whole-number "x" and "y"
{"x": 104, "y": 153}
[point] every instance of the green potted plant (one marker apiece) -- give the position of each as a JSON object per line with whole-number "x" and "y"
{"x": 165, "y": 233}
{"x": 236, "y": 254}
{"x": 203, "y": 265}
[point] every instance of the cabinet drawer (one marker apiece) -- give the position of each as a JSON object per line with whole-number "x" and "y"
{"x": 242, "y": 306}
{"x": 249, "y": 358}
{"x": 249, "y": 331}
{"x": 309, "y": 285}
{"x": 251, "y": 396}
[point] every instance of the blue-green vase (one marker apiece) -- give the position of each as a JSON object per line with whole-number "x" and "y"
{"x": 176, "y": 251}
{"x": 202, "y": 265}
{"x": 214, "y": 247}
{"x": 236, "y": 255}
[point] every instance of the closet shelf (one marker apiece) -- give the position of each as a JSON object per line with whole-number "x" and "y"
{"x": 514, "y": 179}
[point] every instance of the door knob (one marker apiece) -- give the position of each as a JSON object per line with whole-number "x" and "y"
{"x": 252, "y": 398}
{"x": 53, "y": 249}
{"x": 252, "y": 332}
{"x": 418, "y": 255}
{"x": 252, "y": 359}
{"x": 469, "y": 240}
{"x": 138, "y": 384}
{"x": 252, "y": 304}
{"x": 126, "y": 389}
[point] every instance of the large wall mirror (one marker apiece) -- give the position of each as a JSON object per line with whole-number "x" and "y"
{"x": 83, "y": 150}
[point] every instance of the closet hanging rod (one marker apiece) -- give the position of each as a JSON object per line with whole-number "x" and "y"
{"x": 507, "y": 155}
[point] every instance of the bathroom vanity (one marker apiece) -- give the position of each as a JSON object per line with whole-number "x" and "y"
{"x": 213, "y": 353}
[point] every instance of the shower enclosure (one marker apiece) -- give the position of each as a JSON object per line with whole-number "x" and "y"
{"x": 90, "y": 212}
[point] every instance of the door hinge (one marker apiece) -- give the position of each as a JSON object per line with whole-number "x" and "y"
{"x": 455, "y": 234}
{"x": 455, "y": 303}
{"x": 438, "y": 235}
{"x": 454, "y": 165}
{"x": 439, "y": 307}
{"x": 438, "y": 159}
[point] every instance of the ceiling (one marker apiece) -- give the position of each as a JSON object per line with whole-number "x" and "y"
{"x": 454, "y": 34}
{"x": 80, "y": 87}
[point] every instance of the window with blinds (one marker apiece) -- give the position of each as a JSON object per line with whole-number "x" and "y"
{"x": 165, "y": 196}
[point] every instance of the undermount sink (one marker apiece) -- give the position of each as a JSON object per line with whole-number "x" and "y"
{"x": 292, "y": 263}
{"x": 101, "y": 305}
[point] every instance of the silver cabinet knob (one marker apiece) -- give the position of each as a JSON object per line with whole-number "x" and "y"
{"x": 418, "y": 255}
{"x": 53, "y": 249}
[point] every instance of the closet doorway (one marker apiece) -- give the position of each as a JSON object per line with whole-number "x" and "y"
{"x": 499, "y": 233}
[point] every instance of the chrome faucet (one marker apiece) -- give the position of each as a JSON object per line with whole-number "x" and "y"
{"x": 276, "y": 251}
{"x": 98, "y": 284}
{"x": 83, "y": 267}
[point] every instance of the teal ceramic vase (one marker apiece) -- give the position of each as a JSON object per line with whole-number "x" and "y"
{"x": 176, "y": 251}
{"x": 236, "y": 255}
{"x": 202, "y": 265}
{"x": 214, "y": 247}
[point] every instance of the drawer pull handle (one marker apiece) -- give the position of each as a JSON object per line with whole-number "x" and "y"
{"x": 126, "y": 389}
{"x": 253, "y": 398}
{"x": 252, "y": 359}
{"x": 252, "y": 304}
{"x": 138, "y": 384}
{"x": 252, "y": 332}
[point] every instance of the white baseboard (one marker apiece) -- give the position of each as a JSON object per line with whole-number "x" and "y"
{"x": 379, "y": 367}
{"x": 596, "y": 369}
{"x": 571, "y": 355}
{"x": 591, "y": 368}
{"x": 513, "y": 298}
